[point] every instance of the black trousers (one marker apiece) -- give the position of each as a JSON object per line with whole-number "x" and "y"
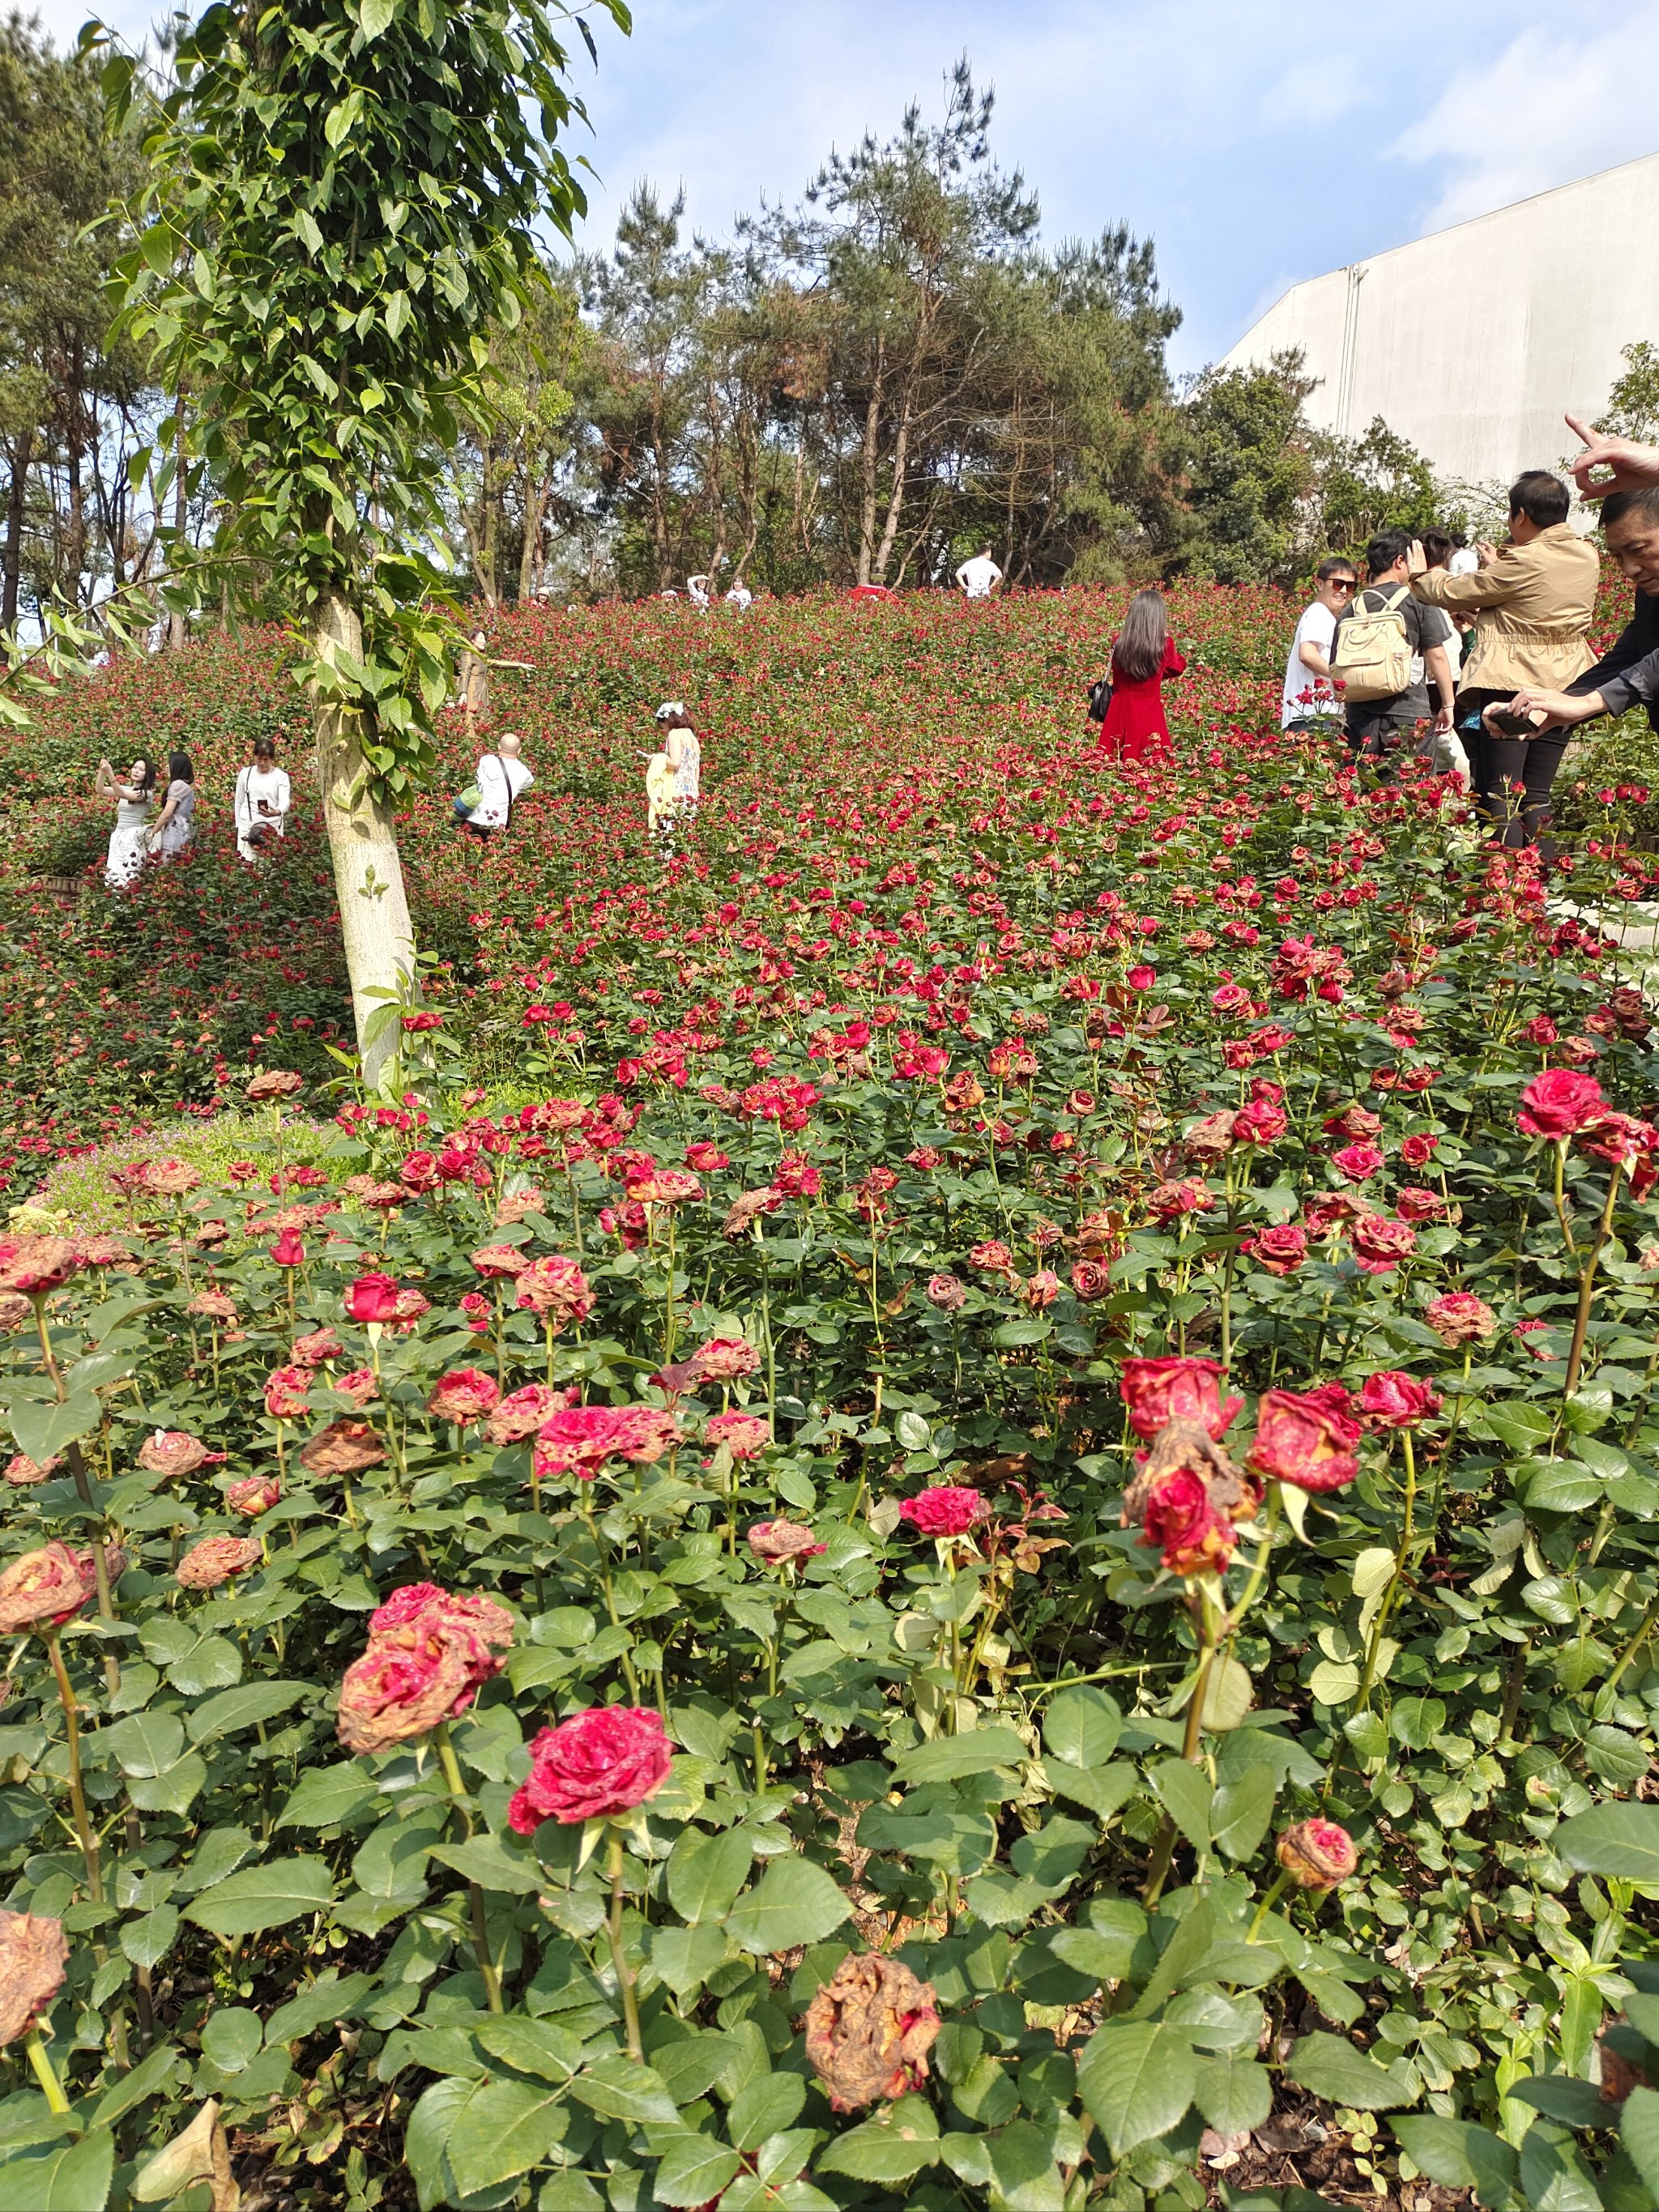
{"x": 1512, "y": 776}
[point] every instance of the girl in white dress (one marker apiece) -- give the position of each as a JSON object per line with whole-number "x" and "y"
{"x": 129, "y": 842}
{"x": 176, "y": 824}
{"x": 263, "y": 799}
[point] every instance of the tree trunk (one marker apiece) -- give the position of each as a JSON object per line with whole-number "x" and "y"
{"x": 535, "y": 509}
{"x": 178, "y": 628}
{"x": 23, "y": 452}
{"x": 369, "y": 879}
{"x": 868, "y": 459}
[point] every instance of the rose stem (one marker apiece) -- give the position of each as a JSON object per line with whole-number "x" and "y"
{"x": 1587, "y": 1288}
{"x": 45, "y": 2072}
{"x": 619, "y": 1957}
{"x": 457, "y": 1788}
{"x": 1164, "y": 1851}
{"x": 77, "y": 1796}
{"x": 1280, "y": 1883}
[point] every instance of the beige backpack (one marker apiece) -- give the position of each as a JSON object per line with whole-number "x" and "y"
{"x": 1372, "y": 655}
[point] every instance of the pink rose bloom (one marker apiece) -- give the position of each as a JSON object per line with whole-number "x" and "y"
{"x": 1380, "y": 1245}
{"x": 946, "y": 1510}
{"x": 946, "y": 1293}
{"x": 1558, "y": 1103}
{"x": 594, "y": 1765}
{"x": 466, "y": 1394}
{"x": 556, "y": 1289}
{"x": 1358, "y": 1162}
{"x": 579, "y": 1440}
{"x": 725, "y": 1359}
{"x": 744, "y": 1435}
{"x": 370, "y": 1298}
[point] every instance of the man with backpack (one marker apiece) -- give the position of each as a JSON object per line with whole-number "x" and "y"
{"x": 1387, "y": 648}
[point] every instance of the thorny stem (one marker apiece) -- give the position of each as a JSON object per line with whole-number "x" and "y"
{"x": 1213, "y": 1623}
{"x": 1560, "y": 1194}
{"x": 618, "y": 1956}
{"x": 1586, "y": 1287}
{"x": 77, "y": 1796}
{"x": 452, "y": 1772}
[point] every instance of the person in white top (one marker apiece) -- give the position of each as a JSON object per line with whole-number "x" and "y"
{"x": 1308, "y": 701}
{"x": 978, "y": 578}
{"x": 684, "y": 755}
{"x": 129, "y": 842}
{"x": 739, "y": 596}
{"x": 263, "y": 799}
{"x": 697, "y": 587}
{"x": 502, "y": 778}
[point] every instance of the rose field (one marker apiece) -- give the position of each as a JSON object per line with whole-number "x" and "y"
{"x": 956, "y": 1504}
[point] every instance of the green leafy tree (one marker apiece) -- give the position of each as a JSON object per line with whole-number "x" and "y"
{"x": 1248, "y": 471}
{"x": 1633, "y": 402}
{"x": 340, "y": 212}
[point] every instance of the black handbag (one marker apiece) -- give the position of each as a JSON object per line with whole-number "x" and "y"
{"x": 1100, "y": 698}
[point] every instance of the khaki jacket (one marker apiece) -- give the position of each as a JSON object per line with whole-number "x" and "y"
{"x": 1532, "y": 610}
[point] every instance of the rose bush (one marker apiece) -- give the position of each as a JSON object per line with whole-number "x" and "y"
{"x": 1002, "y": 1606}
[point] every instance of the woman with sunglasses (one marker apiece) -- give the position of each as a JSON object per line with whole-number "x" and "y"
{"x": 1309, "y": 702}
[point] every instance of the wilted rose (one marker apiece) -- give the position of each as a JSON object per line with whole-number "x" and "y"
{"x": 274, "y": 1082}
{"x": 1089, "y": 1281}
{"x": 467, "y": 1393}
{"x": 321, "y": 1345}
{"x": 1380, "y": 1245}
{"x": 286, "y": 1392}
{"x": 172, "y": 1452}
{"x": 168, "y": 1178}
{"x": 556, "y": 1289}
{"x": 1280, "y": 1248}
{"x": 41, "y": 1590}
{"x": 1460, "y": 1318}
{"x": 744, "y": 1435}
{"x": 1316, "y": 1854}
{"x": 212, "y": 1305}
{"x": 254, "y": 1495}
{"x": 522, "y": 1412}
{"x": 869, "y": 2030}
{"x": 1390, "y": 1400}
{"x": 216, "y": 1559}
{"x": 34, "y": 1266}
{"x": 343, "y": 1448}
{"x": 592, "y": 1766}
{"x": 579, "y": 1440}
{"x": 34, "y": 1952}
{"x": 776, "y": 1540}
{"x": 946, "y": 1293}
{"x": 725, "y": 1359}
{"x": 1306, "y": 1439}
{"x": 22, "y": 1470}
{"x": 1158, "y": 1391}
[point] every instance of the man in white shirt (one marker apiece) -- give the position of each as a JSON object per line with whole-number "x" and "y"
{"x": 501, "y": 778}
{"x": 1309, "y": 702}
{"x": 739, "y": 596}
{"x": 978, "y": 578}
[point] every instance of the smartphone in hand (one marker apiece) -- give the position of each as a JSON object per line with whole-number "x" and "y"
{"x": 1510, "y": 725}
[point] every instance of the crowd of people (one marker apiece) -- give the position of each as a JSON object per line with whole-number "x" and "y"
{"x": 1499, "y": 634}
{"x": 163, "y": 828}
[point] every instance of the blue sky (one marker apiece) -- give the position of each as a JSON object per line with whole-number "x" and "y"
{"x": 1256, "y": 141}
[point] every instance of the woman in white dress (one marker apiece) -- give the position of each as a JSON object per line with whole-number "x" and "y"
{"x": 129, "y": 842}
{"x": 176, "y": 823}
{"x": 685, "y": 755}
{"x": 263, "y": 799}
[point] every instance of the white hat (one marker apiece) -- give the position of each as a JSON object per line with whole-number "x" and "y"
{"x": 670, "y": 707}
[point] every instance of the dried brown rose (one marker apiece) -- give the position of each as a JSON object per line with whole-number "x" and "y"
{"x": 37, "y": 1265}
{"x": 403, "y": 1687}
{"x": 212, "y": 1305}
{"x": 216, "y": 1559}
{"x": 274, "y": 1082}
{"x": 173, "y": 1452}
{"x": 869, "y": 2030}
{"x": 783, "y": 1540}
{"x": 21, "y": 1469}
{"x": 343, "y": 1447}
{"x": 1316, "y": 1854}
{"x": 14, "y": 1312}
{"x": 34, "y": 1952}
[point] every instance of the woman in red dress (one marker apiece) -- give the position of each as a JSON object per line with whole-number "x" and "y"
{"x": 1144, "y": 656}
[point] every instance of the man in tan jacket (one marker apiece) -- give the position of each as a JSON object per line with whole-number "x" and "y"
{"x": 1533, "y": 600}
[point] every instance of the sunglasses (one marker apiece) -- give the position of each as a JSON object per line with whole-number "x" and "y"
{"x": 1344, "y": 583}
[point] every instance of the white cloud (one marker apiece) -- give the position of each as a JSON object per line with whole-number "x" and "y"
{"x": 1550, "y": 107}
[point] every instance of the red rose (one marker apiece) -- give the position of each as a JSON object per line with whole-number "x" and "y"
{"x": 466, "y": 1394}
{"x": 1307, "y": 1440}
{"x": 1178, "y": 1516}
{"x": 372, "y": 1298}
{"x": 1280, "y": 1248}
{"x": 288, "y": 1250}
{"x": 1159, "y": 1391}
{"x": 1262, "y": 1123}
{"x": 1357, "y": 1162}
{"x": 946, "y": 1510}
{"x": 286, "y": 1392}
{"x": 1379, "y": 1244}
{"x": 596, "y": 1765}
{"x": 1414, "y": 1205}
{"x": 1390, "y": 1400}
{"x": 579, "y": 1440}
{"x": 1559, "y": 1102}
{"x": 1417, "y": 1151}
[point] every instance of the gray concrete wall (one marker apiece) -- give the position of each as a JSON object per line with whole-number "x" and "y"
{"x": 1471, "y": 342}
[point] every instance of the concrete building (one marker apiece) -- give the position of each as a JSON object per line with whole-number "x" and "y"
{"x": 1471, "y": 342}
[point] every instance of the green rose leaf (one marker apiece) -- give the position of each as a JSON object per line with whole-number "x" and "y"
{"x": 262, "y": 1896}
{"x": 1331, "y": 2067}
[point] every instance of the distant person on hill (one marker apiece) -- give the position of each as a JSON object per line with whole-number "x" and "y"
{"x": 697, "y": 588}
{"x": 499, "y": 780}
{"x": 1145, "y": 658}
{"x": 739, "y": 596}
{"x": 262, "y": 802}
{"x": 979, "y": 577}
{"x": 1388, "y": 646}
{"x": 175, "y": 825}
{"x": 129, "y": 841}
{"x": 1533, "y": 600}
{"x": 1309, "y": 702}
